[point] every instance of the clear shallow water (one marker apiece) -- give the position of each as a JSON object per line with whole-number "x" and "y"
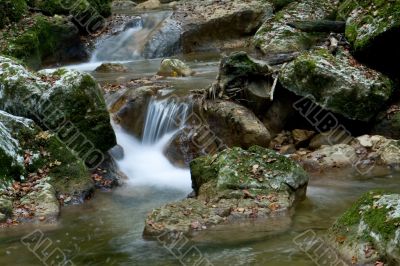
{"x": 107, "y": 230}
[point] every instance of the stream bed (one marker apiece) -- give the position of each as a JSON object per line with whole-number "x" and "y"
{"x": 107, "y": 230}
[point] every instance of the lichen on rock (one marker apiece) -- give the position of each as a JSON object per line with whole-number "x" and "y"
{"x": 233, "y": 185}
{"x": 369, "y": 231}
{"x": 63, "y": 100}
{"x": 276, "y": 36}
{"x": 331, "y": 80}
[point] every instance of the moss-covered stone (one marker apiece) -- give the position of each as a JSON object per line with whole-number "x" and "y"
{"x": 331, "y": 81}
{"x": 29, "y": 149}
{"x": 368, "y": 19}
{"x": 370, "y": 229}
{"x": 257, "y": 169}
{"x": 235, "y": 184}
{"x": 81, "y": 8}
{"x": 67, "y": 102}
{"x": 12, "y": 11}
{"x": 39, "y": 38}
{"x": 276, "y": 36}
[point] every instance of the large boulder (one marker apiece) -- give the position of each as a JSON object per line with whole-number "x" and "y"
{"x": 330, "y": 81}
{"x": 40, "y": 39}
{"x": 66, "y": 102}
{"x": 35, "y": 169}
{"x": 233, "y": 124}
{"x": 199, "y": 26}
{"x": 233, "y": 186}
{"x": 372, "y": 28}
{"x": 275, "y": 36}
{"x": 25, "y": 149}
{"x": 369, "y": 231}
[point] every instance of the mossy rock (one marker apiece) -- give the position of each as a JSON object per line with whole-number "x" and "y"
{"x": 39, "y": 39}
{"x": 368, "y": 19}
{"x": 12, "y": 11}
{"x": 257, "y": 169}
{"x": 67, "y": 102}
{"x": 369, "y": 231}
{"x": 276, "y": 36}
{"x": 68, "y": 174}
{"x": 234, "y": 185}
{"x": 82, "y": 8}
{"x": 331, "y": 81}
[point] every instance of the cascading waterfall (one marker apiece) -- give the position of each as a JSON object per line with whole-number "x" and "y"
{"x": 144, "y": 162}
{"x": 129, "y": 44}
{"x": 163, "y": 117}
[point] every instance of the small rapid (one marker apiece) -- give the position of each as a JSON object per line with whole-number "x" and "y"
{"x": 144, "y": 162}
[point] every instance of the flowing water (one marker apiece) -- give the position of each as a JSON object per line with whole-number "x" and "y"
{"x": 107, "y": 230}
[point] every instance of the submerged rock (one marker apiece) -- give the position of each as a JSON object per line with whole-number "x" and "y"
{"x": 67, "y": 102}
{"x": 233, "y": 186}
{"x": 369, "y": 231}
{"x": 111, "y": 68}
{"x": 174, "y": 68}
{"x": 330, "y": 81}
{"x": 276, "y": 36}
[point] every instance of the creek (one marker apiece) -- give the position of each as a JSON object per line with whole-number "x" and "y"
{"x": 107, "y": 230}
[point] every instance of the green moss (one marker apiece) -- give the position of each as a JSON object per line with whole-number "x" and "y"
{"x": 375, "y": 218}
{"x": 234, "y": 169}
{"x": 37, "y": 38}
{"x": 11, "y": 11}
{"x": 372, "y": 19}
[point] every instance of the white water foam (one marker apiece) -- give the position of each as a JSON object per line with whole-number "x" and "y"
{"x": 144, "y": 161}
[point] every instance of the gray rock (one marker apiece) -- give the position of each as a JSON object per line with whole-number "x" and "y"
{"x": 276, "y": 36}
{"x": 234, "y": 124}
{"x": 64, "y": 99}
{"x": 330, "y": 81}
{"x": 198, "y": 26}
{"x": 174, "y": 68}
{"x": 45, "y": 201}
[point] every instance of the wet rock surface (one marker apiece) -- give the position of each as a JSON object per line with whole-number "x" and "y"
{"x": 231, "y": 186}
{"x": 197, "y": 26}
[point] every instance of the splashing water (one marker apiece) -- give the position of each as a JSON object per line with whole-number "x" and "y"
{"x": 144, "y": 162}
